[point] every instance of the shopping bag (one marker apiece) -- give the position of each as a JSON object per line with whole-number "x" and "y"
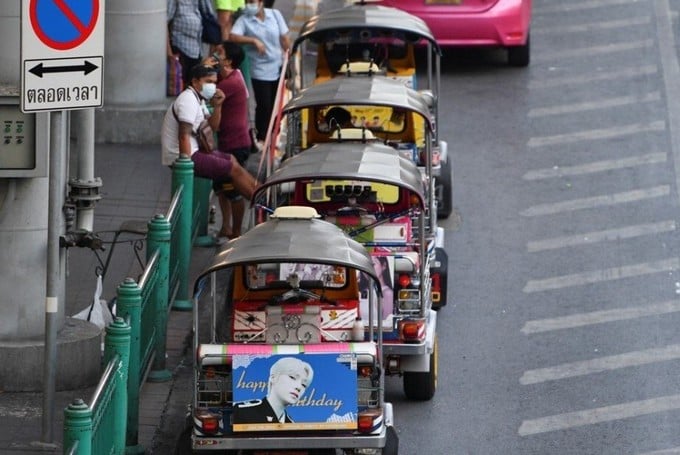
{"x": 175, "y": 85}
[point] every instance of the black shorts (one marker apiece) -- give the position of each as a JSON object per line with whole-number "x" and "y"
{"x": 226, "y": 186}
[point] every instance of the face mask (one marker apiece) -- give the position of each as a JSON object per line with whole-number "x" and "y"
{"x": 251, "y": 9}
{"x": 208, "y": 90}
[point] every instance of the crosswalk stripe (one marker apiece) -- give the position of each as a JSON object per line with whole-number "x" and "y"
{"x": 600, "y": 317}
{"x": 622, "y": 73}
{"x": 596, "y": 166}
{"x": 671, "y": 451}
{"x": 597, "y": 134}
{"x": 597, "y": 201}
{"x": 599, "y": 276}
{"x": 606, "y": 103}
{"x": 563, "y": 7}
{"x": 601, "y": 364}
{"x": 588, "y": 238}
{"x": 599, "y": 415}
{"x": 592, "y": 51}
{"x": 591, "y": 26}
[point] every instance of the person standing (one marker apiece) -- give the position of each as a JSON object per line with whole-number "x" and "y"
{"x": 180, "y": 130}
{"x": 184, "y": 33}
{"x": 233, "y": 136}
{"x": 225, "y": 14}
{"x": 265, "y": 34}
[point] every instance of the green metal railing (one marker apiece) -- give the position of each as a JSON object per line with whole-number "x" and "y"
{"x": 144, "y": 305}
{"x": 99, "y": 427}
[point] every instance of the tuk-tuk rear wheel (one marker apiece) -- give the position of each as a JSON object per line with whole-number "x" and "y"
{"x": 421, "y": 386}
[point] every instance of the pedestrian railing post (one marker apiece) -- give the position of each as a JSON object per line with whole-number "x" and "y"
{"x": 183, "y": 176}
{"x": 117, "y": 342}
{"x": 78, "y": 427}
{"x": 129, "y": 307}
{"x": 158, "y": 239}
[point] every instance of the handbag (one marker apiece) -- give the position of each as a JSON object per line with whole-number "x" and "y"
{"x": 206, "y": 137}
{"x": 212, "y": 31}
{"x": 204, "y": 134}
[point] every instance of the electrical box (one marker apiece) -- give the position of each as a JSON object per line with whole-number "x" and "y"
{"x": 24, "y": 138}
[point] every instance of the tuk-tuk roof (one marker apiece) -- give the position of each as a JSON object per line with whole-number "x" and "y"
{"x": 374, "y": 17}
{"x": 372, "y": 161}
{"x": 361, "y": 91}
{"x": 293, "y": 240}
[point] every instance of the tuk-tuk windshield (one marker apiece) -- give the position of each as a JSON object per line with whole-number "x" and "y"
{"x": 330, "y": 190}
{"x": 288, "y": 275}
{"x": 375, "y": 118}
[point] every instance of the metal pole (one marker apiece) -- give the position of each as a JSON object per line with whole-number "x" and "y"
{"x": 54, "y": 218}
{"x": 85, "y": 187}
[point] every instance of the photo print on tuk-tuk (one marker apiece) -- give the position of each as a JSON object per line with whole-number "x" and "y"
{"x": 294, "y": 392}
{"x": 384, "y": 267}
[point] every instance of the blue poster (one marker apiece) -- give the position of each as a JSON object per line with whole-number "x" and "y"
{"x": 294, "y": 392}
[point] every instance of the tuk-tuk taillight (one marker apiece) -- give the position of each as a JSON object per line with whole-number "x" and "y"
{"x": 208, "y": 422}
{"x": 412, "y": 330}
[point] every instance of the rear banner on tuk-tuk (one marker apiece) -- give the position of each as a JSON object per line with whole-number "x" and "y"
{"x": 295, "y": 392}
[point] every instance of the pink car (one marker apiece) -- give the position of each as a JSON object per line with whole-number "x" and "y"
{"x": 502, "y": 23}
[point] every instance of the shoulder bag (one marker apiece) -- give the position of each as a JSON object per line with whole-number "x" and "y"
{"x": 204, "y": 134}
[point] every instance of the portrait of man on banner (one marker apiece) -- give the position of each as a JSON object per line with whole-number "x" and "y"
{"x": 286, "y": 392}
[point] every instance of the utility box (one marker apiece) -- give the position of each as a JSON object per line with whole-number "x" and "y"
{"x": 24, "y": 138}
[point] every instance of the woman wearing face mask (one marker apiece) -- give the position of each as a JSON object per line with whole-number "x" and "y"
{"x": 265, "y": 34}
{"x": 180, "y": 126}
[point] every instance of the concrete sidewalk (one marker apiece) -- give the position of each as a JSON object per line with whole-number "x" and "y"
{"x": 135, "y": 187}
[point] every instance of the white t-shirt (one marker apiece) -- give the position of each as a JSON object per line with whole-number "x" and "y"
{"x": 190, "y": 108}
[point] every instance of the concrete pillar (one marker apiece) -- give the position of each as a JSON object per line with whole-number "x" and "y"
{"x": 134, "y": 72}
{"x": 10, "y": 12}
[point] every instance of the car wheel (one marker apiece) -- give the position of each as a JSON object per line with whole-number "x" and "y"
{"x": 520, "y": 55}
{"x": 444, "y": 192}
{"x": 421, "y": 386}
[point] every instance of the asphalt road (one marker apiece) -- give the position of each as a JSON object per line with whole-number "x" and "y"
{"x": 561, "y": 336}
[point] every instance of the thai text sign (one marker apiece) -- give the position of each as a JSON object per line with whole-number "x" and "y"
{"x": 62, "y": 54}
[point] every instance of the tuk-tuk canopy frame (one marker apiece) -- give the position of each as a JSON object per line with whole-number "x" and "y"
{"x": 362, "y": 91}
{"x": 292, "y": 240}
{"x": 372, "y": 161}
{"x": 365, "y": 17}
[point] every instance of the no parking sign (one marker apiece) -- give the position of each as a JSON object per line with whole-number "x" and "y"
{"x": 62, "y": 54}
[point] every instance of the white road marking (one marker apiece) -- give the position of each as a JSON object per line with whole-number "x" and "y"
{"x": 598, "y": 415}
{"x": 599, "y": 276}
{"x": 597, "y": 134}
{"x": 607, "y": 235}
{"x": 597, "y": 201}
{"x": 671, "y": 451}
{"x": 606, "y": 103}
{"x": 560, "y": 7}
{"x": 589, "y": 78}
{"x": 601, "y": 364}
{"x": 600, "y": 317}
{"x": 596, "y": 166}
{"x": 591, "y": 26}
{"x": 593, "y": 51}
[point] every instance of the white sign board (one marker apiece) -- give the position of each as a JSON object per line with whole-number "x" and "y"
{"x": 62, "y": 54}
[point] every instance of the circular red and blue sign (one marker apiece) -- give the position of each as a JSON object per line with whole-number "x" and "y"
{"x": 63, "y": 24}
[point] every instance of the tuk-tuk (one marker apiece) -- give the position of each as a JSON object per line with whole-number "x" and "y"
{"x": 367, "y": 40}
{"x": 325, "y": 113}
{"x": 282, "y": 362}
{"x": 377, "y": 197}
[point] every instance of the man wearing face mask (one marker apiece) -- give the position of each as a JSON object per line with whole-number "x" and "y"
{"x": 180, "y": 127}
{"x": 265, "y": 34}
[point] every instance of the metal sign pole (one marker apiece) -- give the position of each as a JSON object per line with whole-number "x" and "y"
{"x": 54, "y": 219}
